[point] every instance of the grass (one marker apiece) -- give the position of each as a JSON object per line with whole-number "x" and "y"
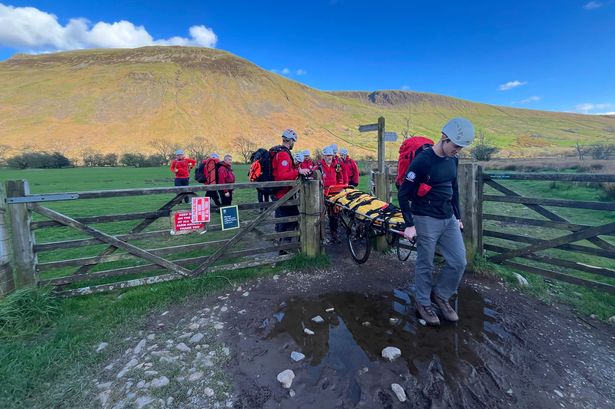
{"x": 45, "y": 358}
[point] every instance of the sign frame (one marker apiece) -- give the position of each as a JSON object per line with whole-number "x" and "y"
{"x": 235, "y": 225}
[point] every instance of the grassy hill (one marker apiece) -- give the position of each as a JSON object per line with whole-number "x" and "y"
{"x": 119, "y": 100}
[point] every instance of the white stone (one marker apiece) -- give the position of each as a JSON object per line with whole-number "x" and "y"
{"x": 276, "y": 277}
{"x": 130, "y": 364}
{"x": 318, "y": 319}
{"x": 182, "y": 347}
{"x": 139, "y": 348}
{"x": 521, "y": 280}
{"x": 593, "y": 316}
{"x": 164, "y": 313}
{"x": 296, "y": 356}
{"x": 366, "y": 324}
{"x": 291, "y": 393}
{"x": 208, "y": 392}
{"x": 363, "y": 370}
{"x": 391, "y": 353}
{"x": 286, "y": 378}
{"x": 226, "y": 351}
{"x": 330, "y": 309}
{"x": 509, "y": 392}
{"x": 104, "y": 397}
{"x": 612, "y": 320}
{"x": 194, "y": 326}
{"x": 246, "y": 294}
{"x": 102, "y": 346}
{"x": 422, "y": 322}
{"x": 196, "y": 338}
{"x": 105, "y": 385}
{"x": 109, "y": 367}
{"x": 242, "y": 312}
{"x": 141, "y": 384}
{"x": 195, "y": 376}
{"x": 224, "y": 309}
{"x": 399, "y": 392}
{"x": 308, "y": 331}
{"x": 218, "y": 326}
{"x": 393, "y": 321}
{"x": 151, "y": 337}
{"x": 558, "y": 393}
{"x": 143, "y": 401}
{"x": 160, "y": 382}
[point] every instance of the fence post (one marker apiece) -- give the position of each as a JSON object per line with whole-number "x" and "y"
{"x": 382, "y": 189}
{"x": 23, "y": 237}
{"x": 7, "y": 285}
{"x": 311, "y": 201}
{"x": 470, "y": 180}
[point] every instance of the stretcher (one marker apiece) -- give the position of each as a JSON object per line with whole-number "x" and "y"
{"x": 365, "y": 217}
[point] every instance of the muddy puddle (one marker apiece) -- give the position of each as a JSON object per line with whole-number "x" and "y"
{"x": 353, "y": 334}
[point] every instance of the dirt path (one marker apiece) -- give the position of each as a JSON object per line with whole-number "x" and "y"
{"x": 225, "y": 351}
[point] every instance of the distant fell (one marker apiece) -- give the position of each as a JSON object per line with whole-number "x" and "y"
{"x": 120, "y": 100}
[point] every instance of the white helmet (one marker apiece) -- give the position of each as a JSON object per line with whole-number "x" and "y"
{"x": 460, "y": 131}
{"x": 299, "y": 157}
{"x": 214, "y": 156}
{"x": 334, "y": 147}
{"x": 306, "y": 152}
{"x": 289, "y": 134}
{"x": 179, "y": 152}
{"x": 343, "y": 151}
{"x": 327, "y": 150}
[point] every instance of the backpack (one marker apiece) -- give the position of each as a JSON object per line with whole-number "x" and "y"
{"x": 207, "y": 172}
{"x": 408, "y": 150}
{"x": 260, "y": 169}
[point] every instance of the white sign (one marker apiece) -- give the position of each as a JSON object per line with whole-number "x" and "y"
{"x": 390, "y": 136}
{"x": 200, "y": 210}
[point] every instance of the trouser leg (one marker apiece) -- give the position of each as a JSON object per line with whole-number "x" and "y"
{"x": 428, "y": 231}
{"x": 454, "y": 252}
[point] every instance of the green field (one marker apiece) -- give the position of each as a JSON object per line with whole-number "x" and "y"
{"x": 46, "y": 344}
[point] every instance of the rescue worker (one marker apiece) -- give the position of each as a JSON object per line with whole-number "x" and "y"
{"x": 308, "y": 163}
{"x": 284, "y": 169}
{"x": 213, "y": 161}
{"x": 350, "y": 169}
{"x": 226, "y": 176}
{"x": 429, "y": 201}
{"x": 181, "y": 167}
{"x": 331, "y": 175}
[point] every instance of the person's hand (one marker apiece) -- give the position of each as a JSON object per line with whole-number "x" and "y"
{"x": 460, "y": 224}
{"x": 410, "y": 233}
{"x": 304, "y": 172}
{"x": 227, "y": 194}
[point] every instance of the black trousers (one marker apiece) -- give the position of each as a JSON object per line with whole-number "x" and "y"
{"x": 213, "y": 195}
{"x": 226, "y": 201}
{"x": 263, "y": 196}
{"x": 183, "y": 182}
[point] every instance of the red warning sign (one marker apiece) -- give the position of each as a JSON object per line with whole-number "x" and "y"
{"x": 182, "y": 223}
{"x": 200, "y": 210}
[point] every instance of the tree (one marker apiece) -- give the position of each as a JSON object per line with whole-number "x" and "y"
{"x": 482, "y": 150}
{"x": 164, "y": 148}
{"x": 407, "y": 131}
{"x": 245, "y": 147}
{"x": 602, "y": 151}
{"x": 581, "y": 151}
{"x": 200, "y": 148}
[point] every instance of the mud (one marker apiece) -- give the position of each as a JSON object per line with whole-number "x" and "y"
{"x": 508, "y": 350}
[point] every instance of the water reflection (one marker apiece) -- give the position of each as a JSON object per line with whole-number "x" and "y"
{"x": 361, "y": 325}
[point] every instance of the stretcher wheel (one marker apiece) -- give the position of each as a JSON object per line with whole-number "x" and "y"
{"x": 403, "y": 253}
{"x": 359, "y": 241}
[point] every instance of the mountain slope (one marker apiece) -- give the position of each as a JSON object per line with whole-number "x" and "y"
{"x": 119, "y": 100}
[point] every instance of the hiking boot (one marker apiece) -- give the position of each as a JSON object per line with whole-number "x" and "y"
{"x": 428, "y": 314}
{"x": 447, "y": 311}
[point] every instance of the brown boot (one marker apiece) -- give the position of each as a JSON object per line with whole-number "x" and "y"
{"x": 447, "y": 311}
{"x": 428, "y": 314}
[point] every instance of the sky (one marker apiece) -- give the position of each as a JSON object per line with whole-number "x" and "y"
{"x": 556, "y": 55}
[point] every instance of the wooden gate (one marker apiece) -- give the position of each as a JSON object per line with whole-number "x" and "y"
{"x": 89, "y": 253}
{"x": 582, "y": 255}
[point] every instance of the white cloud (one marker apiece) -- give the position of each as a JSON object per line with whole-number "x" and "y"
{"x": 285, "y": 71}
{"x": 590, "y": 109}
{"x": 533, "y": 98}
{"x": 511, "y": 85}
{"x": 30, "y": 29}
{"x": 288, "y": 71}
{"x": 301, "y": 71}
{"x": 405, "y": 87}
{"x": 593, "y": 5}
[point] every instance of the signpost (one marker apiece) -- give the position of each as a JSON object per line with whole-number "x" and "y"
{"x": 380, "y": 128}
{"x": 390, "y": 137}
{"x": 229, "y": 216}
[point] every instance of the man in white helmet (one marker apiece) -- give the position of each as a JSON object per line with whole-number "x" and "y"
{"x": 429, "y": 200}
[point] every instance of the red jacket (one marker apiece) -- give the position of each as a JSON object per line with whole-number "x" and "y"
{"x": 225, "y": 175}
{"x": 308, "y": 164}
{"x": 283, "y": 169}
{"x": 182, "y": 167}
{"x": 330, "y": 174}
{"x": 351, "y": 171}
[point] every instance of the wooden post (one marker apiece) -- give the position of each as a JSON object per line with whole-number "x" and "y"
{"x": 7, "y": 285}
{"x": 470, "y": 183}
{"x": 382, "y": 192}
{"x": 310, "y": 208}
{"x": 381, "y": 157}
{"x": 23, "y": 237}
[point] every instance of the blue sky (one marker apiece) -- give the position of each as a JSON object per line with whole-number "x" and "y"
{"x": 552, "y": 55}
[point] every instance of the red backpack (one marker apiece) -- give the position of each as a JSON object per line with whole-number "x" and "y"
{"x": 407, "y": 152}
